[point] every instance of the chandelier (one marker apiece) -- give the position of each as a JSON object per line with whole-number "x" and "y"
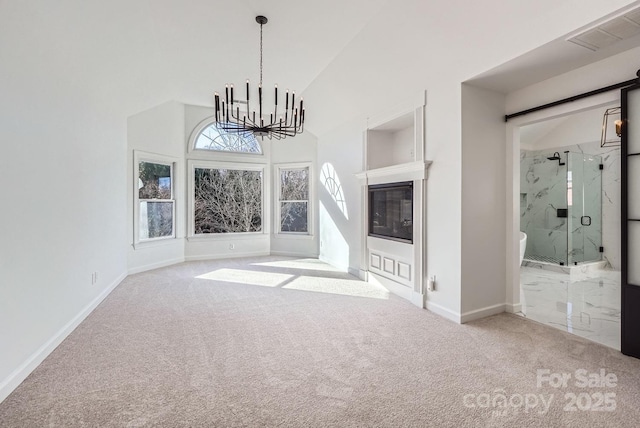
{"x": 235, "y": 116}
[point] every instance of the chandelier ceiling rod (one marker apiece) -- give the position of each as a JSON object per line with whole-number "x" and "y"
{"x": 229, "y": 118}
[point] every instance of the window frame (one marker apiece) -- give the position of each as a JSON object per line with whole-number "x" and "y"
{"x": 194, "y": 164}
{"x": 279, "y": 233}
{"x": 239, "y": 157}
{"x": 171, "y": 162}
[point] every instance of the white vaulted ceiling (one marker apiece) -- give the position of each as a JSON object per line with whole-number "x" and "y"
{"x": 204, "y": 44}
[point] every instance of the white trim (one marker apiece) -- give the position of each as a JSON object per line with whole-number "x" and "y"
{"x": 442, "y": 311}
{"x": 156, "y": 265}
{"x": 203, "y": 154}
{"x": 192, "y": 164}
{"x": 230, "y": 236}
{"x": 225, "y": 256}
{"x": 417, "y": 299}
{"x": 277, "y": 168}
{"x": 357, "y": 273}
{"x": 171, "y": 162}
{"x": 294, "y": 254}
{"x": 293, "y": 235}
{"x": 417, "y": 170}
{"x": 482, "y": 313}
{"x": 394, "y": 287}
{"x": 8, "y": 385}
{"x": 513, "y": 309}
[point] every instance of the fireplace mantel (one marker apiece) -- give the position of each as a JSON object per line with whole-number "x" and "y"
{"x": 417, "y": 170}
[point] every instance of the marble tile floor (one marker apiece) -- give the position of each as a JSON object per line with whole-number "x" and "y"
{"x": 587, "y": 305}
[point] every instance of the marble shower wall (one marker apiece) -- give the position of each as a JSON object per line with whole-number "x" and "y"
{"x": 610, "y": 196}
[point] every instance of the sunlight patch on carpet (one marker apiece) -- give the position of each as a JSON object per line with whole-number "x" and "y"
{"x": 264, "y": 279}
{"x": 307, "y": 264}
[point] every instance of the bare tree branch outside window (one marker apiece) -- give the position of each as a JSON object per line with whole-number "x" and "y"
{"x": 294, "y": 200}
{"x": 227, "y": 201}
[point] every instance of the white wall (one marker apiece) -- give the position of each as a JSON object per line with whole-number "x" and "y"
{"x": 159, "y": 131}
{"x": 340, "y": 231}
{"x": 69, "y": 78}
{"x": 483, "y": 189}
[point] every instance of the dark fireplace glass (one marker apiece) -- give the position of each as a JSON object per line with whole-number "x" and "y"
{"x": 391, "y": 211}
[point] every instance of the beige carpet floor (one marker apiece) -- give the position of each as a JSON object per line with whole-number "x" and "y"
{"x": 280, "y": 342}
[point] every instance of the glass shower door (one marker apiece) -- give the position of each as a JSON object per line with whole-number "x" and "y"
{"x": 543, "y": 198}
{"x": 584, "y": 197}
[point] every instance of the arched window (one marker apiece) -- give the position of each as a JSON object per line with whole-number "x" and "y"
{"x": 212, "y": 137}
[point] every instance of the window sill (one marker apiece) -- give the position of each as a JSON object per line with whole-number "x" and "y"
{"x": 156, "y": 242}
{"x": 227, "y": 236}
{"x": 301, "y": 236}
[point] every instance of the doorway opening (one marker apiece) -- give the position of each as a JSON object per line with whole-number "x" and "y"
{"x": 569, "y": 197}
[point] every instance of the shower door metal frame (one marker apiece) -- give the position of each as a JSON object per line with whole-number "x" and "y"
{"x": 630, "y": 308}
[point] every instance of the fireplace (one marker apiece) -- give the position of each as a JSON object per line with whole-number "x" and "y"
{"x": 391, "y": 211}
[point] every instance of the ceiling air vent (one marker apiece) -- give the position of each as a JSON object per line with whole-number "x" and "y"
{"x": 610, "y": 32}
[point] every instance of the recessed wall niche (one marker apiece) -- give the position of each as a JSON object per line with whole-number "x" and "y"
{"x": 392, "y": 143}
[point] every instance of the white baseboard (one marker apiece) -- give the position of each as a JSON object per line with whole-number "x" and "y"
{"x": 333, "y": 263}
{"x": 294, "y": 254}
{"x": 417, "y": 299}
{"x": 392, "y": 286}
{"x": 443, "y": 312}
{"x": 20, "y": 374}
{"x": 513, "y": 308}
{"x": 482, "y": 313}
{"x": 225, "y": 256}
{"x": 152, "y": 266}
{"x": 354, "y": 271}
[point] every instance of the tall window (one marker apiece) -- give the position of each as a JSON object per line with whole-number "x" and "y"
{"x": 227, "y": 200}
{"x": 294, "y": 200}
{"x": 156, "y": 204}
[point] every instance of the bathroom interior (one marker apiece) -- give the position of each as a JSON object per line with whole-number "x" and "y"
{"x": 570, "y": 224}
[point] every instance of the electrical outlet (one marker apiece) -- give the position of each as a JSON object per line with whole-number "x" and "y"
{"x": 232, "y": 246}
{"x": 94, "y": 278}
{"x": 431, "y": 283}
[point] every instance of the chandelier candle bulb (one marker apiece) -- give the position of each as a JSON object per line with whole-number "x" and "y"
{"x": 231, "y": 94}
{"x": 276, "y": 87}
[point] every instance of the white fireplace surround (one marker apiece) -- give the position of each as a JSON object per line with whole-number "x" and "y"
{"x": 398, "y": 266}
{"x": 394, "y": 151}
